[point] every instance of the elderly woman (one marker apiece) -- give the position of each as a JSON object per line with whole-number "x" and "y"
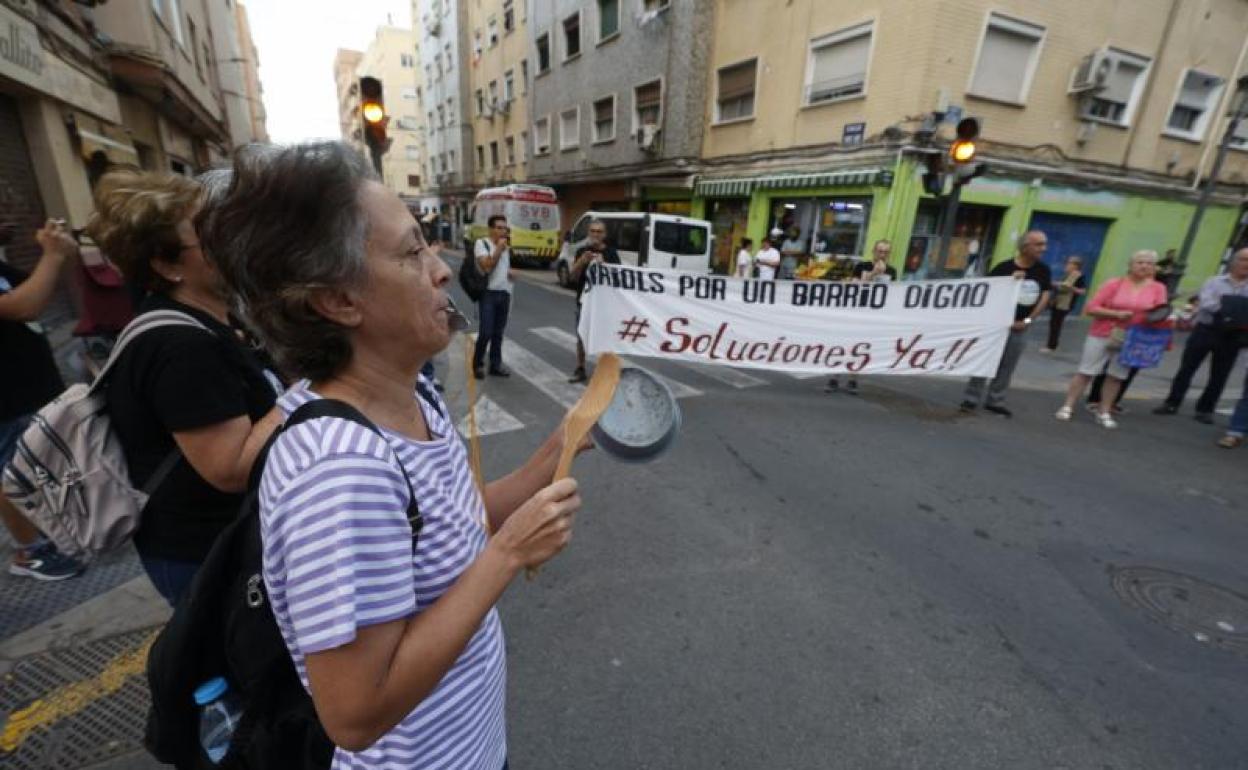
{"x": 398, "y": 643}
{"x": 1120, "y": 303}
{"x": 186, "y": 402}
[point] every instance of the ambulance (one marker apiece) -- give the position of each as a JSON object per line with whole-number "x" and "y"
{"x": 532, "y": 213}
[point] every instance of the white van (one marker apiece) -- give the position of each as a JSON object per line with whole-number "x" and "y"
{"x": 657, "y": 240}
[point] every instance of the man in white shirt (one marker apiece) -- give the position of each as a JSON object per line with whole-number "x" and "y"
{"x": 493, "y": 255}
{"x": 768, "y": 259}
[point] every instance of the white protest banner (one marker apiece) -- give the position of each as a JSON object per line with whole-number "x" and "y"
{"x": 952, "y": 328}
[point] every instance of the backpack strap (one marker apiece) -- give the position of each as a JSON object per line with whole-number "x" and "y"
{"x": 328, "y": 407}
{"x": 153, "y": 319}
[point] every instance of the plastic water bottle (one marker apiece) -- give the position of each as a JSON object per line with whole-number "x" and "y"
{"x": 218, "y": 717}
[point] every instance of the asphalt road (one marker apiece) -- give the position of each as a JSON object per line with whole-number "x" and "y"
{"x": 822, "y": 581}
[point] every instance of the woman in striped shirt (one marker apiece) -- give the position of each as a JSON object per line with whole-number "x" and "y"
{"x": 398, "y": 640}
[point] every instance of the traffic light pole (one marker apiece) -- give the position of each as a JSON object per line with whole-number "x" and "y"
{"x": 375, "y": 155}
{"x": 1206, "y": 191}
{"x": 946, "y": 227}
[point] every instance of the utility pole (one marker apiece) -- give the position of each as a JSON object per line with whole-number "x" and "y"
{"x": 1239, "y": 111}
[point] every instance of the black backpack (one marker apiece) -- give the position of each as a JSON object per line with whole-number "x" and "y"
{"x": 471, "y": 279}
{"x": 224, "y": 626}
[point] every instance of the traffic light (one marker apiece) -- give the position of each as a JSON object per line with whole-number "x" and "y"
{"x": 963, "y": 152}
{"x": 373, "y": 116}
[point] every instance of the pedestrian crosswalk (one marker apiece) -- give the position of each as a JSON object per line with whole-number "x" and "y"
{"x": 567, "y": 341}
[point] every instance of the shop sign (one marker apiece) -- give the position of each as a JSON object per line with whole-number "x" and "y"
{"x": 23, "y": 59}
{"x": 955, "y": 328}
{"x": 1067, "y": 195}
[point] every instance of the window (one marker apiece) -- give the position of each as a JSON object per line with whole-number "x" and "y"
{"x": 411, "y": 152}
{"x": 450, "y": 161}
{"x": 429, "y": 120}
{"x": 480, "y": 102}
{"x": 450, "y": 62}
{"x": 509, "y": 85}
{"x": 441, "y": 117}
{"x": 604, "y": 119}
{"x": 824, "y": 226}
{"x": 524, "y": 144}
{"x": 509, "y": 144}
{"x": 199, "y": 66}
{"x": 524, "y": 74}
{"x": 648, "y": 104}
{"x": 476, "y": 44}
{"x": 450, "y": 111}
{"x": 173, "y": 15}
{"x": 735, "y": 100}
{"x": 1197, "y": 99}
{"x": 480, "y": 157}
{"x": 493, "y": 101}
{"x": 1007, "y": 59}
{"x": 572, "y": 36}
{"x": 541, "y": 136}
{"x": 407, "y": 61}
{"x": 608, "y": 19}
{"x": 1116, "y": 101}
{"x": 837, "y": 67}
{"x": 413, "y": 180}
{"x": 628, "y": 235}
{"x": 509, "y": 17}
{"x": 679, "y": 239}
{"x": 1240, "y": 137}
{"x": 494, "y": 154}
{"x": 543, "y": 53}
{"x": 570, "y": 128}
{"x": 493, "y": 28}
{"x": 407, "y": 92}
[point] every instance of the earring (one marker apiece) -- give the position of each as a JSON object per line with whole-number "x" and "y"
{"x": 177, "y": 279}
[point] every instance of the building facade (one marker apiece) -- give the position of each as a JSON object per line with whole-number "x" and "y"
{"x": 442, "y": 30}
{"x": 346, "y": 84}
{"x": 391, "y": 58}
{"x": 499, "y": 86}
{"x": 253, "y": 92}
{"x": 83, "y": 88}
{"x": 1100, "y": 119}
{"x": 618, "y": 89}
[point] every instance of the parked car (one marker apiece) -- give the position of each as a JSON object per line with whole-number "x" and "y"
{"x": 532, "y": 212}
{"x": 658, "y": 240}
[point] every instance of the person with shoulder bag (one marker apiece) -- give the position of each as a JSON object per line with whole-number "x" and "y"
{"x": 193, "y": 403}
{"x": 22, "y": 298}
{"x": 1214, "y": 337}
{"x": 1118, "y": 305}
{"x": 493, "y": 258}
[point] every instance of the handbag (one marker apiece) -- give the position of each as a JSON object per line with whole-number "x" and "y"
{"x": 1117, "y": 338}
{"x": 1144, "y": 347}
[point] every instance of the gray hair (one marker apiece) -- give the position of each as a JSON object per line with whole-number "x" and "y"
{"x": 291, "y": 223}
{"x": 1022, "y": 239}
{"x": 1147, "y": 255}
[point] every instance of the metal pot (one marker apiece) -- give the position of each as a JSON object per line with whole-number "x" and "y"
{"x": 642, "y": 421}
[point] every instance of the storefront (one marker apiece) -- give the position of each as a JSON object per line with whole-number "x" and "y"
{"x": 729, "y": 218}
{"x": 823, "y": 227}
{"x": 974, "y": 240}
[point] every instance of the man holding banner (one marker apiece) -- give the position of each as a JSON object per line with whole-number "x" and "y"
{"x": 1033, "y": 298}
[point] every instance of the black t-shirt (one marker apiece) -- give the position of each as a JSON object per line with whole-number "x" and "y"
{"x": 862, "y": 268}
{"x": 178, "y": 378}
{"x": 609, "y": 255}
{"x": 32, "y": 379}
{"x": 1037, "y": 281}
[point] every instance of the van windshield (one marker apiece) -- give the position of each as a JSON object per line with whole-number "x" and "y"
{"x": 681, "y": 239}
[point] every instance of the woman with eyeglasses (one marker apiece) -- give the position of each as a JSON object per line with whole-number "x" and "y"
{"x": 187, "y": 402}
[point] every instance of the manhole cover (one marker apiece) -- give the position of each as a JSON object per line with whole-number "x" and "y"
{"x": 1208, "y": 613}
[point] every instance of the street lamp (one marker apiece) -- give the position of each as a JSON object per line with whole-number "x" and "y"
{"x": 1238, "y": 112}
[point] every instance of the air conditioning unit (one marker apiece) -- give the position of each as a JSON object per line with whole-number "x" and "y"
{"x": 648, "y": 137}
{"x": 503, "y": 106}
{"x": 1092, "y": 73}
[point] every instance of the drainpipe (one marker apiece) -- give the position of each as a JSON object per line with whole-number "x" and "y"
{"x": 1224, "y": 104}
{"x": 1148, "y": 83}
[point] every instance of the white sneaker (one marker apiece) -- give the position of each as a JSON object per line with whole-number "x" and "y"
{"x": 1064, "y": 414}
{"x": 1106, "y": 422}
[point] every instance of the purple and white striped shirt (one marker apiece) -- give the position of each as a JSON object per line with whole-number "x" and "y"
{"x": 338, "y": 556}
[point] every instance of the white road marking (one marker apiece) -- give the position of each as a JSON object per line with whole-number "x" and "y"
{"x": 567, "y": 341}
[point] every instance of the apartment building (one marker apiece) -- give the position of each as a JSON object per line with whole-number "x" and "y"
{"x": 616, "y": 112}
{"x": 346, "y": 84}
{"x": 392, "y": 58}
{"x": 499, "y": 83}
{"x": 249, "y": 60}
{"x": 1100, "y": 120}
{"x": 442, "y": 30}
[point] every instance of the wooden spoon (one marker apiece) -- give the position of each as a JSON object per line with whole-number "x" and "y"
{"x": 594, "y": 401}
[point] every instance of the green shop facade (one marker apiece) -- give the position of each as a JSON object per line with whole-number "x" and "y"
{"x": 841, "y": 213}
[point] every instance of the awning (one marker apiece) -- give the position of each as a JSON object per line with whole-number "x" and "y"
{"x": 720, "y": 188}
{"x": 98, "y": 136}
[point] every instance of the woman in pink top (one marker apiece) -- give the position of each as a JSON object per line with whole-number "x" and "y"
{"x": 1120, "y": 303}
